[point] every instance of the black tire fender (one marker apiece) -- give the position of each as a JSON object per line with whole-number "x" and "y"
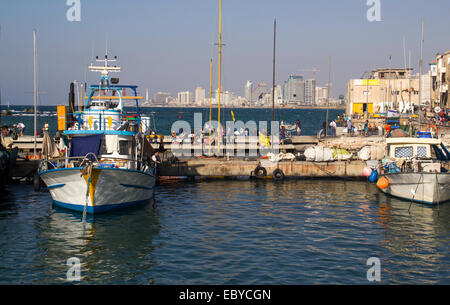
{"x": 278, "y": 174}
{"x": 260, "y": 172}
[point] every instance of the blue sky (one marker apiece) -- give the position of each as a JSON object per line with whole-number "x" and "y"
{"x": 166, "y": 45}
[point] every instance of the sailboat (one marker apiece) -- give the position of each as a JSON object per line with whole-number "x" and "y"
{"x": 108, "y": 165}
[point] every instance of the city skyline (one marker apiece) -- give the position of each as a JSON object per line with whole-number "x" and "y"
{"x": 166, "y": 47}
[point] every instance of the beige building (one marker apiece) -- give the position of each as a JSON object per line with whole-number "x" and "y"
{"x": 200, "y": 95}
{"x": 440, "y": 75}
{"x": 385, "y": 89}
{"x": 321, "y": 95}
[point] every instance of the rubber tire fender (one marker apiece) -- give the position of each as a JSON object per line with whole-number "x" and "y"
{"x": 278, "y": 174}
{"x": 260, "y": 172}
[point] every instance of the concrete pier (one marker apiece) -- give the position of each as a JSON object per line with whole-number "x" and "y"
{"x": 218, "y": 168}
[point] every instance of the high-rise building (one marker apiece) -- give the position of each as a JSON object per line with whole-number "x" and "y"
{"x": 294, "y": 90}
{"x": 321, "y": 95}
{"x": 248, "y": 90}
{"x": 162, "y": 97}
{"x": 185, "y": 98}
{"x": 310, "y": 91}
{"x": 258, "y": 93}
{"x": 200, "y": 95}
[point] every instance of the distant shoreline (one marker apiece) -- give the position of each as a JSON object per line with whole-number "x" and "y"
{"x": 240, "y": 107}
{"x": 214, "y": 107}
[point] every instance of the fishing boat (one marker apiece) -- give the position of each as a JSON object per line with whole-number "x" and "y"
{"x": 106, "y": 164}
{"x": 417, "y": 170}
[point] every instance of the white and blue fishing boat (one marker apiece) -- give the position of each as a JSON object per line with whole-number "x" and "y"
{"x": 107, "y": 162}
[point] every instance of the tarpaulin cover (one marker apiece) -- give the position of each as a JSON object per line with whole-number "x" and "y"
{"x": 81, "y": 146}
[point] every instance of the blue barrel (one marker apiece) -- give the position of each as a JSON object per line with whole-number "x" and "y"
{"x": 374, "y": 176}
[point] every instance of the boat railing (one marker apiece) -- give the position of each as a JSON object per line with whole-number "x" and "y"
{"x": 102, "y": 162}
{"x": 74, "y": 121}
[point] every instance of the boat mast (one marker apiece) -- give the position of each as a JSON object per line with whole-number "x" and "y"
{"x": 273, "y": 68}
{"x": 420, "y": 75}
{"x": 35, "y": 89}
{"x": 273, "y": 75}
{"x": 210, "y": 101}
{"x": 328, "y": 97}
{"x": 220, "y": 66}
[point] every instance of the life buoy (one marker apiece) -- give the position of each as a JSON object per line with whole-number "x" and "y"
{"x": 434, "y": 127}
{"x": 278, "y": 174}
{"x": 260, "y": 172}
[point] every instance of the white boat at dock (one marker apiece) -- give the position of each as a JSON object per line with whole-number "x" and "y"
{"x": 419, "y": 171}
{"x": 106, "y": 166}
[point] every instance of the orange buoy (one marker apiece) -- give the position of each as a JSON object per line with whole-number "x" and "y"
{"x": 383, "y": 183}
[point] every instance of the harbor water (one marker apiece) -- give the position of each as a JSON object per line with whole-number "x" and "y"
{"x": 225, "y": 231}
{"x": 163, "y": 118}
{"x": 229, "y": 232}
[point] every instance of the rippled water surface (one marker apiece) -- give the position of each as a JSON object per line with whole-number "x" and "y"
{"x": 229, "y": 232}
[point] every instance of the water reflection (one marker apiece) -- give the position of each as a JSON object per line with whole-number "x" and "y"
{"x": 230, "y": 232}
{"x": 112, "y": 247}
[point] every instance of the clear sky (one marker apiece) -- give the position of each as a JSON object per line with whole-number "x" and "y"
{"x": 166, "y": 45}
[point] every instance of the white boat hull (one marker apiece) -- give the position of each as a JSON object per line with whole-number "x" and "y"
{"x": 429, "y": 188}
{"x": 109, "y": 189}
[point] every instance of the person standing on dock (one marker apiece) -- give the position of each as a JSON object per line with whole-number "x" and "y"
{"x": 366, "y": 128}
{"x": 298, "y": 128}
{"x": 155, "y": 162}
{"x": 349, "y": 128}
{"x": 333, "y": 128}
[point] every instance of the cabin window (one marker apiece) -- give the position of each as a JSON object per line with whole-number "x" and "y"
{"x": 123, "y": 147}
{"x": 404, "y": 152}
{"x": 422, "y": 152}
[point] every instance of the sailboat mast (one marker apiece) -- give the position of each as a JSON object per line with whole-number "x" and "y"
{"x": 210, "y": 101}
{"x": 220, "y": 71}
{"x": 273, "y": 68}
{"x": 328, "y": 98}
{"x": 420, "y": 74}
{"x": 35, "y": 89}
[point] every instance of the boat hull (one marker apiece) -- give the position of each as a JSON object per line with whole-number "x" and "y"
{"x": 109, "y": 188}
{"x": 429, "y": 188}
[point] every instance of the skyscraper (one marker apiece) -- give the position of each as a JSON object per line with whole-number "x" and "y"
{"x": 294, "y": 90}
{"x": 259, "y": 92}
{"x": 184, "y": 98}
{"x": 200, "y": 95}
{"x": 310, "y": 91}
{"x": 248, "y": 90}
{"x": 162, "y": 97}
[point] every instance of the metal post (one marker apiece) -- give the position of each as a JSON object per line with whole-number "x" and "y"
{"x": 35, "y": 89}
{"x": 328, "y": 98}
